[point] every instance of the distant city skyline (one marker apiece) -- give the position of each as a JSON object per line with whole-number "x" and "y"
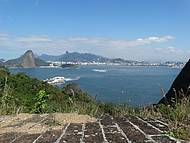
{"x": 142, "y": 30}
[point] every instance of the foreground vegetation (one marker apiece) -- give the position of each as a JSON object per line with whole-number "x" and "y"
{"x": 177, "y": 117}
{"x": 22, "y": 94}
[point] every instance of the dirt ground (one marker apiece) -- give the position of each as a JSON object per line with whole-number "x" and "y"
{"x": 34, "y": 123}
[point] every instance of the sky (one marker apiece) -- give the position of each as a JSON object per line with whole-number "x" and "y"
{"x": 145, "y": 30}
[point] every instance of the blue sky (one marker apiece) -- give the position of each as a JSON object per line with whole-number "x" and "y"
{"x": 150, "y": 30}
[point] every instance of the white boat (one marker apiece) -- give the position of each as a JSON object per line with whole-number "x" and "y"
{"x": 98, "y": 70}
{"x": 55, "y": 80}
{"x": 60, "y": 80}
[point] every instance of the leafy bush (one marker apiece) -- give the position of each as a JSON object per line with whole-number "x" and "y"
{"x": 40, "y": 105}
{"x": 30, "y": 95}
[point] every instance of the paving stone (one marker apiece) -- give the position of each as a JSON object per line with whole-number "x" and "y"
{"x": 149, "y": 119}
{"x": 73, "y": 134}
{"x": 144, "y": 126}
{"x": 93, "y": 133}
{"x": 111, "y": 132}
{"x": 160, "y": 126}
{"x": 107, "y": 120}
{"x": 157, "y": 123}
{"x": 132, "y": 134}
{"x": 27, "y": 138}
{"x": 49, "y": 136}
{"x": 163, "y": 139}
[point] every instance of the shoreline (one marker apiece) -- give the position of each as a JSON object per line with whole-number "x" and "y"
{"x": 58, "y": 67}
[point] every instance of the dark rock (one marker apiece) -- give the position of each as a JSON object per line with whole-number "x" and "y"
{"x": 179, "y": 88}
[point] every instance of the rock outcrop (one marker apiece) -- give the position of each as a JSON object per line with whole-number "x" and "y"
{"x": 28, "y": 60}
{"x": 1, "y": 64}
{"x": 179, "y": 88}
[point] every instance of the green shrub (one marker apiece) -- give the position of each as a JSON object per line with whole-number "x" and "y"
{"x": 40, "y": 105}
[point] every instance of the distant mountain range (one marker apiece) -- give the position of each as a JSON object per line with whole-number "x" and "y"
{"x": 75, "y": 57}
{"x": 28, "y": 60}
{"x": 82, "y": 57}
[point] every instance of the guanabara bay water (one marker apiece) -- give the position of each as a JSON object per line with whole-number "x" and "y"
{"x": 136, "y": 86}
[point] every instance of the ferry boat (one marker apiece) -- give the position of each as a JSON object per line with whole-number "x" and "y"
{"x": 55, "y": 80}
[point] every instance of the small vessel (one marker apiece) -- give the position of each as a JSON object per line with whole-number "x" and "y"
{"x": 55, "y": 80}
{"x": 98, "y": 70}
{"x": 68, "y": 65}
{"x": 60, "y": 80}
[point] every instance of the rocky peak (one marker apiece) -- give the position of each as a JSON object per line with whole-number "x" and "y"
{"x": 29, "y": 52}
{"x": 28, "y": 59}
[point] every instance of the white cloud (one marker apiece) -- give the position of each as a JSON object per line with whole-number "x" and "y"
{"x": 83, "y": 41}
{"x": 4, "y": 37}
{"x": 129, "y": 49}
{"x": 108, "y": 43}
{"x": 171, "y": 50}
{"x": 33, "y": 39}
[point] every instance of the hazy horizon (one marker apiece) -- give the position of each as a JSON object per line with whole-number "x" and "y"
{"x": 134, "y": 30}
{"x": 38, "y": 55}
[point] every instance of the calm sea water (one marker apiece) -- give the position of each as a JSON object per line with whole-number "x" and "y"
{"x": 137, "y": 86}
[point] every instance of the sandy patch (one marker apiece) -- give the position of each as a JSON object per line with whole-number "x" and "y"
{"x": 72, "y": 118}
{"x": 34, "y": 123}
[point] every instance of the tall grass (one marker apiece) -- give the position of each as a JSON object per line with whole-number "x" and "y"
{"x": 8, "y": 104}
{"x": 178, "y": 117}
{"x": 176, "y": 114}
